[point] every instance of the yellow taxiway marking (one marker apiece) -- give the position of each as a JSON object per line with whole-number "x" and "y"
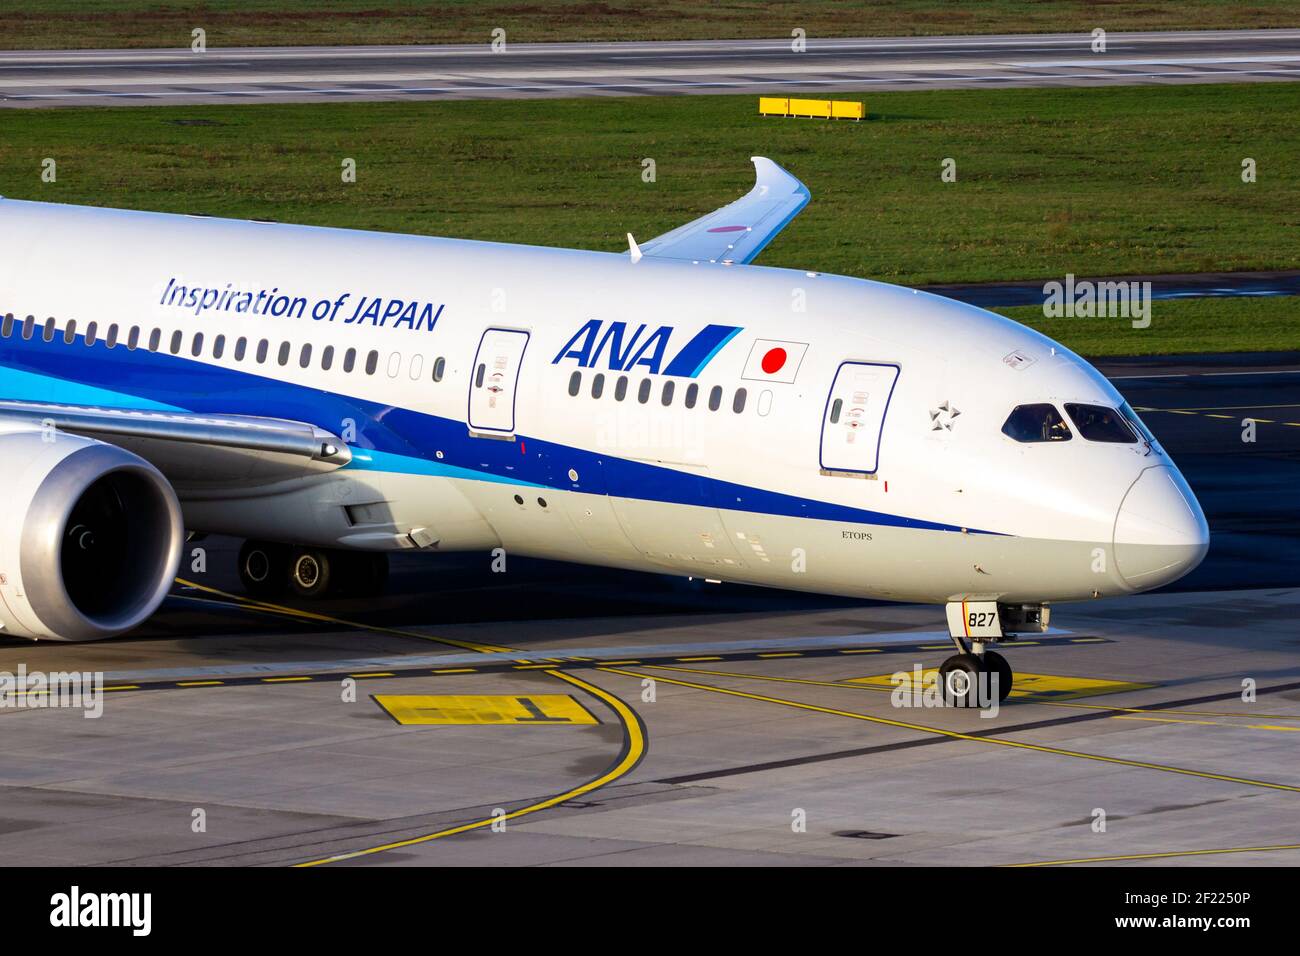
{"x": 455, "y": 670}
{"x": 861, "y": 650}
{"x": 1176, "y": 713}
{"x": 1042, "y": 687}
{"x": 282, "y": 680}
{"x": 1160, "y": 856}
{"x": 199, "y": 683}
{"x": 326, "y": 619}
{"x": 1211, "y": 411}
{"x": 415, "y": 709}
{"x": 375, "y": 674}
{"x": 1203, "y": 723}
{"x": 957, "y": 735}
{"x": 626, "y": 762}
{"x": 634, "y": 746}
{"x": 782, "y": 654}
{"x": 1216, "y": 408}
{"x": 693, "y": 660}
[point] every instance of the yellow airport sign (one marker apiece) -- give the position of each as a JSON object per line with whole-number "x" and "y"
{"x": 812, "y": 109}
{"x": 1026, "y": 686}
{"x": 550, "y": 710}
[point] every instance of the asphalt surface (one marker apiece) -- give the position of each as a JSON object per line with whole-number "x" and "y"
{"x": 601, "y": 718}
{"x": 305, "y": 74}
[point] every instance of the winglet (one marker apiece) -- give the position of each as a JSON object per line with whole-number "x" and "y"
{"x": 737, "y": 232}
{"x": 633, "y": 248}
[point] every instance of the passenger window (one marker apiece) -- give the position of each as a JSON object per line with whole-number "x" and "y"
{"x": 304, "y": 357}
{"x": 620, "y": 388}
{"x": 372, "y": 362}
{"x": 692, "y": 393}
{"x": 263, "y": 347}
{"x": 327, "y": 358}
{"x": 241, "y": 346}
{"x": 1035, "y": 423}
{"x": 598, "y": 385}
{"x": 394, "y": 364}
{"x": 667, "y": 398}
{"x": 155, "y": 340}
{"x": 70, "y": 333}
{"x": 283, "y": 357}
{"x": 48, "y": 332}
{"x": 1099, "y": 423}
{"x": 643, "y": 391}
{"x": 439, "y": 367}
{"x": 111, "y": 339}
{"x": 7, "y": 327}
{"x": 29, "y": 326}
{"x": 575, "y": 383}
{"x": 218, "y": 346}
{"x": 349, "y": 360}
{"x": 133, "y": 338}
{"x": 836, "y": 407}
{"x": 176, "y": 342}
{"x": 715, "y": 398}
{"x": 417, "y": 366}
{"x": 196, "y": 347}
{"x": 91, "y": 331}
{"x": 738, "y": 403}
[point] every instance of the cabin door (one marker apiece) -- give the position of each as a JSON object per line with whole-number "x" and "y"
{"x": 495, "y": 382}
{"x": 854, "y": 417}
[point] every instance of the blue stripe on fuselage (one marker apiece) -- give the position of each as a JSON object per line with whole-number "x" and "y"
{"x": 697, "y": 353}
{"x": 387, "y": 438}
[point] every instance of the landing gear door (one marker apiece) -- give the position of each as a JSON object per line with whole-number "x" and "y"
{"x": 495, "y": 381}
{"x": 855, "y": 417}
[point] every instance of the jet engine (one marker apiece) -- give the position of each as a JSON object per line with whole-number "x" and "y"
{"x": 90, "y": 537}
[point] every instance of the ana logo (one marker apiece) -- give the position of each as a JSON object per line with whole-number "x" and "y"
{"x": 610, "y": 345}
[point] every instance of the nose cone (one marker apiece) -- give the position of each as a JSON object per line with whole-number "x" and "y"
{"x": 1160, "y": 531}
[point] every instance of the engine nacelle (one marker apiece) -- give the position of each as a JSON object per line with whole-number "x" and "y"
{"x": 90, "y": 537}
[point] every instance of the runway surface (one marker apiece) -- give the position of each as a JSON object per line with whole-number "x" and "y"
{"x": 308, "y": 74}
{"x": 578, "y": 716}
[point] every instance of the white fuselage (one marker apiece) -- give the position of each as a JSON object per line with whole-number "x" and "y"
{"x": 912, "y": 493}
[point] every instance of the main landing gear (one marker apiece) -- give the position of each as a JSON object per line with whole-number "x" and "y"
{"x": 268, "y": 570}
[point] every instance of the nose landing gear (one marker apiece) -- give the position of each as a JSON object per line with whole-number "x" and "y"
{"x": 981, "y": 623}
{"x": 971, "y": 678}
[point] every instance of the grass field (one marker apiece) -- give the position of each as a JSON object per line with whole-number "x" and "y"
{"x": 1093, "y": 182}
{"x": 135, "y": 23}
{"x": 1179, "y": 326}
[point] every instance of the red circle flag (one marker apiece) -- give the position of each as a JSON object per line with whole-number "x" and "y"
{"x": 773, "y": 360}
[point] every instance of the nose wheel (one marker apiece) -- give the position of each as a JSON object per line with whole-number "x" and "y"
{"x": 967, "y": 677}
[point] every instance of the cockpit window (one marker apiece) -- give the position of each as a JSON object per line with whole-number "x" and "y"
{"x": 1139, "y": 426}
{"x": 1099, "y": 423}
{"x": 1031, "y": 423}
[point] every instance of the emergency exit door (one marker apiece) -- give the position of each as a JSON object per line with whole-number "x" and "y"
{"x": 495, "y": 381}
{"x": 855, "y": 417}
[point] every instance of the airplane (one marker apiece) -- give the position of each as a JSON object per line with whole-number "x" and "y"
{"x": 333, "y": 396}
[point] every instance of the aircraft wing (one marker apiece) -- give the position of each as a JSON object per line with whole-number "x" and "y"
{"x": 738, "y": 231}
{"x": 195, "y": 451}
